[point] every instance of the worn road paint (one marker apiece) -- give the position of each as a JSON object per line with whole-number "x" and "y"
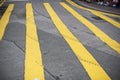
{"x": 33, "y": 59}
{"x": 5, "y": 19}
{"x": 95, "y": 71}
{"x": 99, "y": 33}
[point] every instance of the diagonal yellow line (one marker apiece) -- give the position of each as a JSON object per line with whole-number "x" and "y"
{"x": 5, "y": 19}
{"x": 78, "y": 6}
{"x": 95, "y": 72}
{"x": 98, "y": 13}
{"x": 109, "y": 14}
{"x": 1, "y": 2}
{"x": 34, "y": 69}
{"x": 113, "y": 22}
{"x": 99, "y": 33}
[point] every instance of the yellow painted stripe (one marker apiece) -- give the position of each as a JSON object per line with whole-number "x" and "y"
{"x": 94, "y": 70}
{"x": 99, "y": 33}
{"x": 78, "y": 6}
{"x": 34, "y": 69}
{"x": 114, "y": 15}
{"x": 113, "y": 22}
{"x": 5, "y": 19}
{"x": 1, "y": 2}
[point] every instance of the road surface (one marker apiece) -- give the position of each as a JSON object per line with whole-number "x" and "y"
{"x": 57, "y": 40}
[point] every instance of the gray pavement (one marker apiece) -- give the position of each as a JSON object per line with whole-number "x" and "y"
{"x": 60, "y": 62}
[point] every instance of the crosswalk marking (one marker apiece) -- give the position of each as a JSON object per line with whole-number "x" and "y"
{"x": 95, "y": 72}
{"x": 99, "y": 33}
{"x": 5, "y": 19}
{"x": 78, "y": 6}
{"x": 33, "y": 59}
{"x": 1, "y": 2}
{"x": 109, "y": 14}
{"x": 34, "y": 69}
{"x": 113, "y": 22}
{"x": 98, "y": 13}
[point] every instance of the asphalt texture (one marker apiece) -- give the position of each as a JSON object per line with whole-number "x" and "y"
{"x": 60, "y": 62}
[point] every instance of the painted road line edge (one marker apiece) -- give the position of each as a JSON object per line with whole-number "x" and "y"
{"x": 77, "y": 47}
{"x": 99, "y": 33}
{"x": 5, "y": 19}
{"x": 34, "y": 69}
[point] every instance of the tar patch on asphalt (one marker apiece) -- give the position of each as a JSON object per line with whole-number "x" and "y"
{"x": 97, "y": 18}
{"x": 3, "y": 9}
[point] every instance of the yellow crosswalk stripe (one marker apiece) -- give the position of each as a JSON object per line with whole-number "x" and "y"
{"x": 113, "y": 22}
{"x": 109, "y": 14}
{"x": 1, "y": 2}
{"x": 99, "y": 33}
{"x": 99, "y": 14}
{"x": 5, "y": 19}
{"x": 78, "y": 6}
{"x": 34, "y": 69}
{"x": 95, "y": 72}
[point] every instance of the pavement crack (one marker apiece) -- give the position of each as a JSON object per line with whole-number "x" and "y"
{"x": 55, "y": 77}
{"x": 19, "y": 47}
{"x": 41, "y": 14}
{"x": 45, "y": 16}
{"x": 90, "y": 33}
{"x": 32, "y": 38}
{"x": 15, "y": 44}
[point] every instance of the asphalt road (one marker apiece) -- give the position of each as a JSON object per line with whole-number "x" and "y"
{"x": 62, "y": 57}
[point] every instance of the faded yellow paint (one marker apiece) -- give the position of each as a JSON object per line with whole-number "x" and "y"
{"x": 5, "y": 19}
{"x": 34, "y": 69}
{"x": 95, "y": 71}
{"x": 99, "y": 33}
